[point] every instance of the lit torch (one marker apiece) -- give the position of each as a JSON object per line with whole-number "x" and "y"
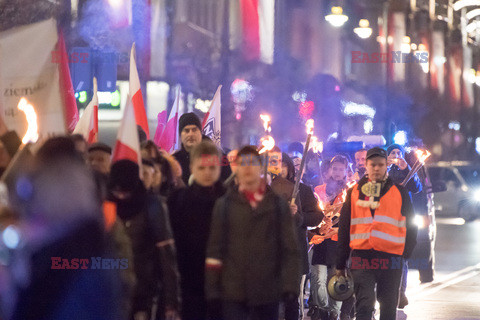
{"x": 309, "y": 126}
{"x": 23, "y": 155}
{"x": 422, "y": 156}
{"x": 267, "y": 142}
{"x": 32, "y": 130}
{"x": 317, "y": 146}
{"x": 267, "y": 121}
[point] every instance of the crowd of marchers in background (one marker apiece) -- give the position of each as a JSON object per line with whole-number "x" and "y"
{"x": 198, "y": 239}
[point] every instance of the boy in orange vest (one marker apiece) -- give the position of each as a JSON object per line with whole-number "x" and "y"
{"x": 376, "y": 226}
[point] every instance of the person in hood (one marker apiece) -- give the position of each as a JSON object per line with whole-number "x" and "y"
{"x": 190, "y": 130}
{"x": 146, "y": 221}
{"x": 399, "y": 168}
{"x": 191, "y": 213}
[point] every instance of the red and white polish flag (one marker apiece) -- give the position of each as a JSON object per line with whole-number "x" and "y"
{"x": 87, "y": 126}
{"x": 136, "y": 94}
{"x": 212, "y": 122}
{"x": 169, "y": 136}
{"x": 257, "y": 25}
{"x": 127, "y": 146}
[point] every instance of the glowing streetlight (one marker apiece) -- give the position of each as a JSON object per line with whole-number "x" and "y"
{"x": 363, "y": 31}
{"x": 405, "y": 47}
{"x": 336, "y": 18}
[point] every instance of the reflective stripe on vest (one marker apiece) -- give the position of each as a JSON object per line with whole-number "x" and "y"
{"x": 356, "y": 221}
{"x": 385, "y": 231}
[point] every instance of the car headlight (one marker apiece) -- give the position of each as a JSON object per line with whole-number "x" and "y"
{"x": 476, "y": 195}
{"x": 420, "y": 221}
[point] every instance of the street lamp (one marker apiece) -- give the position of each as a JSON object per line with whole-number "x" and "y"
{"x": 363, "y": 31}
{"x": 336, "y": 18}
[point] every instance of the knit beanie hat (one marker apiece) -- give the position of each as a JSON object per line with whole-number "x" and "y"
{"x": 188, "y": 119}
{"x": 395, "y": 146}
{"x": 124, "y": 175}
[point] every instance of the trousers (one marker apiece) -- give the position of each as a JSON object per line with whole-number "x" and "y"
{"x": 382, "y": 283}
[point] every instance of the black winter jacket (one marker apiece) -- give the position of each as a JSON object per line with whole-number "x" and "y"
{"x": 190, "y": 212}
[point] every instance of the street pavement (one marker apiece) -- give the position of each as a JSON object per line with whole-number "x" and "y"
{"x": 455, "y": 292}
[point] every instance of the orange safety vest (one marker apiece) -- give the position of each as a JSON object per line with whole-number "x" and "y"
{"x": 321, "y": 192}
{"x": 385, "y": 231}
{"x": 109, "y": 209}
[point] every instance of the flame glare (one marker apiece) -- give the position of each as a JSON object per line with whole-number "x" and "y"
{"x": 309, "y": 125}
{"x": 267, "y": 144}
{"x": 266, "y": 122}
{"x": 422, "y": 155}
{"x": 317, "y": 146}
{"x": 32, "y": 130}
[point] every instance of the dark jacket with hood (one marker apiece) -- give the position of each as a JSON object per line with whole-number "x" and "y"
{"x": 308, "y": 213}
{"x": 258, "y": 249}
{"x": 147, "y": 224}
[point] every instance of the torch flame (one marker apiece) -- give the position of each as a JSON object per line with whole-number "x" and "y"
{"x": 266, "y": 122}
{"x": 321, "y": 205}
{"x": 317, "y": 146}
{"x": 267, "y": 144}
{"x": 32, "y": 130}
{"x": 422, "y": 155}
{"x": 309, "y": 126}
{"x": 351, "y": 184}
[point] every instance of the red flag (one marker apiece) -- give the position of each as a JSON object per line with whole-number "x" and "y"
{"x": 87, "y": 126}
{"x": 136, "y": 94}
{"x": 169, "y": 135}
{"x": 127, "y": 145}
{"x": 66, "y": 87}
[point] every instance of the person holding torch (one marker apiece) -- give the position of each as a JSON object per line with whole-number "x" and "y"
{"x": 398, "y": 172}
{"x": 399, "y": 168}
{"x": 324, "y": 239}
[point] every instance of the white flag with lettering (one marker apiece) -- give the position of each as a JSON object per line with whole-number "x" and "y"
{"x": 212, "y": 122}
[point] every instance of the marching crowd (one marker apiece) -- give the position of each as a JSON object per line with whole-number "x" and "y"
{"x": 192, "y": 236}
